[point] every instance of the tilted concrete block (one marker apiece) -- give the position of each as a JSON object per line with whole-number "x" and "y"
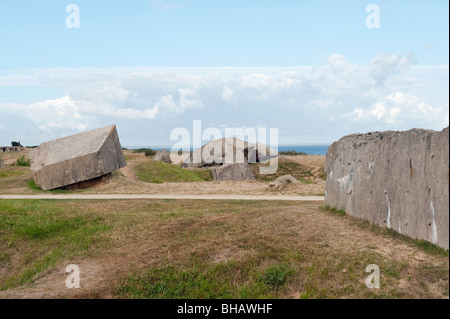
{"x": 76, "y": 158}
{"x": 398, "y": 180}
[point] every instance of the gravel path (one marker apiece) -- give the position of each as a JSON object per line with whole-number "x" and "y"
{"x": 171, "y": 196}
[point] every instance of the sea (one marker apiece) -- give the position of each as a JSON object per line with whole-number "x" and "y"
{"x": 308, "y": 149}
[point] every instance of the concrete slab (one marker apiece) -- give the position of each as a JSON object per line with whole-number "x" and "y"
{"x": 76, "y": 158}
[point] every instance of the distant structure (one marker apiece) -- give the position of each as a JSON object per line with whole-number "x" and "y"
{"x": 10, "y": 149}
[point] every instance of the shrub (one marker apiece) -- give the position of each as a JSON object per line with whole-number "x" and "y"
{"x": 147, "y": 151}
{"x": 276, "y": 276}
{"x": 23, "y": 162}
{"x": 292, "y": 152}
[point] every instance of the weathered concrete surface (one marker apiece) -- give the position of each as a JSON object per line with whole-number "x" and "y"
{"x": 229, "y": 150}
{"x": 232, "y": 172}
{"x": 398, "y": 180}
{"x": 163, "y": 156}
{"x": 76, "y": 158}
{"x": 282, "y": 182}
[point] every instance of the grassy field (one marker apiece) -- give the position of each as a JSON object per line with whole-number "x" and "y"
{"x": 207, "y": 249}
{"x": 11, "y": 173}
{"x": 285, "y": 166}
{"x": 160, "y": 172}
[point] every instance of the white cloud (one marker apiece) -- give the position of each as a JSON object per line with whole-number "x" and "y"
{"x": 386, "y": 65}
{"x": 228, "y": 95}
{"x": 322, "y": 102}
{"x": 401, "y": 108}
{"x": 308, "y": 104}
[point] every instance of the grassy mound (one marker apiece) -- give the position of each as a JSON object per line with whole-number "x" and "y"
{"x": 285, "y": 167}
{"x": 160, "y": 172}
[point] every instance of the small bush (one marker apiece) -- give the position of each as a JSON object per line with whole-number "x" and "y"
{"x": 292, "y": 152}
{"x": 146, "y": 151}
{"x": 23, "y": 162}
{"x": 275, "y": 276}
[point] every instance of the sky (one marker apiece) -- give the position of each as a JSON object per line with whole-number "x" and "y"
{"x": 312, "y": 69}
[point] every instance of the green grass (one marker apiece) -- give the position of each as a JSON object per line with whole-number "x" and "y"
{"x": 21, "y": 161}
{"x": 32, "y": 185}
{"x": 46, "y": 233}
{"x": 423, "y": 245}
{"x": 160, "y": 172}
{"x": 275, "y": 276}
{"x": 284, "y": 167}
{"x": 292, "y": 152}
{"x": 9, "y": 173}
{"x": 230, "y": 280}
{"x": 146, "y": 151}
{"x": 334, "y": 210}
{"x": 206, "y": 249}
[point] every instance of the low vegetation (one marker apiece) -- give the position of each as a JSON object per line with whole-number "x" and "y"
{"x": 292, "y": 152}
{"x": 209, "y": 249}
{"x": 13, "y": 178}
{"x": 43, "y": 233}
{"x": 285, "y": 166}
{"x": 227, "y": 280}
{"x": 334, "y": 210}
{"x": 22, "y": 161}
{"x": 146, "y": 151}
{"x": 424, "y": 245}
{"x": 160, "y": 172}
{"x": 10, "y": 173}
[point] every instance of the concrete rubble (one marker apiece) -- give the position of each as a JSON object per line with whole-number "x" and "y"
{"x": 232, "y": 172}
{"x": 163, "y": 156}
{"x": 229, "y": 150}
{"x": 77, "y": 158}
{"x": 228, "y": 158}
{"x": 282, "y": 182}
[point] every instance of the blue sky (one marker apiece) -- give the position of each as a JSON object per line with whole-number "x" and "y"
{"x": 310, "y": 68}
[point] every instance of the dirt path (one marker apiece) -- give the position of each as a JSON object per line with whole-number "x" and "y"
{"x": 169, "y": 196}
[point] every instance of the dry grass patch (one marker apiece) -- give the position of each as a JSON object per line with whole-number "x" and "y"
{"x": 205, "y": 249}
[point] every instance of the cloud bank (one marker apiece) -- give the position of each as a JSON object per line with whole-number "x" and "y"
{"x": 306, "y": 104}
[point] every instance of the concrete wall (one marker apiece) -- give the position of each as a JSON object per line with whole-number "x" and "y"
{"x": 398, "y": 180}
